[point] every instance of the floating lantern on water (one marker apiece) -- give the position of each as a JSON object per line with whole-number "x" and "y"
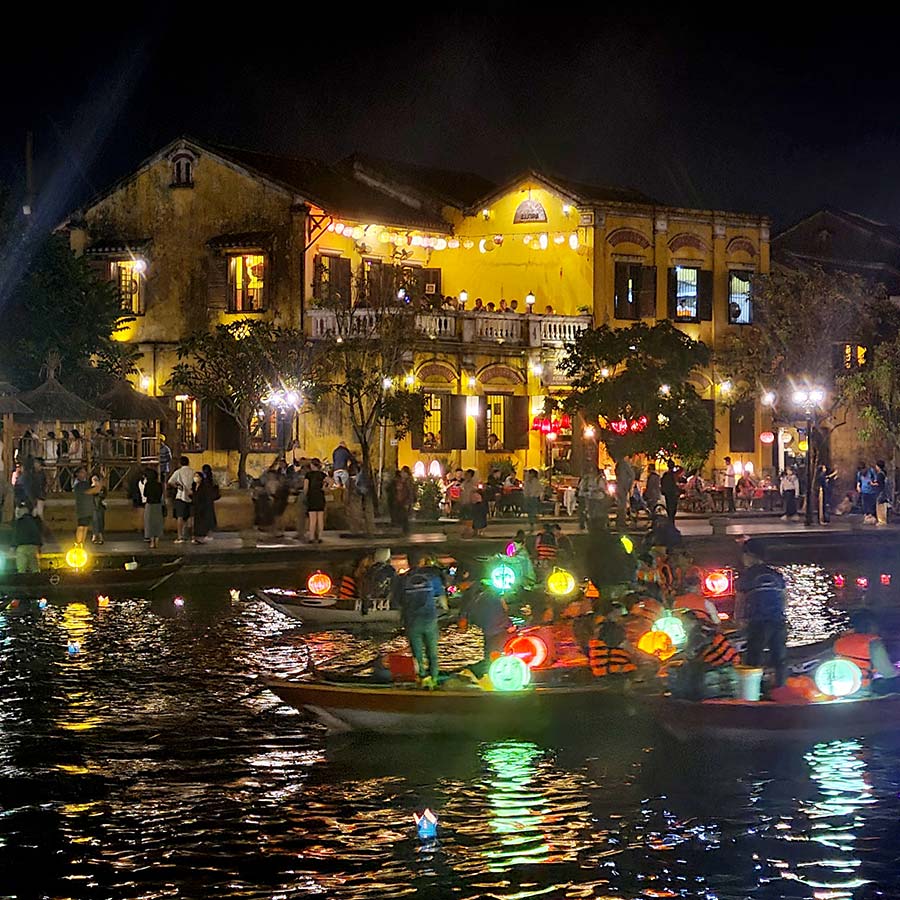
{"x": 74, "y": 648}
{"x": 426, "y": 825}
{"x": 673, "y": 627}
{"x": 14, "y": 604}
{"x": 509, "y": 673}
{"x": 503, "y": 577}
{"x": 627, "y": 543}
{"x": 656, "y": 643}
{"x": 718, "y": 583}
{"x": 839, "y": 580}
{"x": 862, "y": 582}
{"x": 560, "y": 583}
{"x": 235, "y": 594}
{"x": 885, "y": 579}
{"x": 76, "y": 557}
{"x": 42, "y": 603}
{"x": 102, "y": 601}
{"x": 838, "y": 677}
{"x": 530, "y": 648}
{"x": 178, "y": 601}
{"x": 319, "y": 583}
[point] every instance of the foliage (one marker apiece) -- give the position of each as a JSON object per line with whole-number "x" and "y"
{"x": 505, "y": 466}
{"x": 430, "y": 497}
{"x": 236, "y": 366}
{"x": 367, "y": 353}
{"x": 875, "y": 389}
{"x": 649, "y": 372}
{"x": 800, "y": 316}
{"x": 60, "y": 305}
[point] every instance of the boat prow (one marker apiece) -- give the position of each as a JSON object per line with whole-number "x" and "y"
{"x": 326, "y": 610}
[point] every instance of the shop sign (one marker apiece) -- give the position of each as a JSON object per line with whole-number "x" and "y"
{"x": 529, "y": 211}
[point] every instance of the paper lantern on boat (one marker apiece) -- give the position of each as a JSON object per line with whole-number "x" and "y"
{"x": 656, "y": 643}
{"x": 503, "y": 577}
{"x": 838, "y": 677}
{"x": 509, "y": 673}
{"x": 560, "y": 583}
{"x": 426, "y": 825}
{"x": 530, "y": 648}
{"x": 76, "y": 557}
{"x": 673, "y": 627}
{"x": 627, "y": 543}
{"x": 717, "y": 583}
{"x": 319, "y": 583}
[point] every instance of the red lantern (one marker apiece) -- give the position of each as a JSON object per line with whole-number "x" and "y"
{"x": 566, "y": 421}
{"x": 767, "y": 437}
{"x": 718, "y": 583}
{"x": 530, "y": 648}
{"x": 619, "y": 427}
{"x": 319, "y": 583}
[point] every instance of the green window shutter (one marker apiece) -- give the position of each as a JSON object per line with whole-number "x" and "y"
{"x": 672, "y": 293}
{"x": 647, "y": 296}
{"x": 704, "y": 295}
{"x": 516, "y": 426}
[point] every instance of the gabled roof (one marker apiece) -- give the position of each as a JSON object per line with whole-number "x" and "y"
{"x": 883, "y": 230}
{"x": 443, "y": 186}
{"x": 579, "y": 192}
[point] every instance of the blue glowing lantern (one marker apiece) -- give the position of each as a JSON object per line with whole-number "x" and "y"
{"x": 74, "y": 648}
{"x": 42, "y": 603}
{"x": 838, "y": 677}
{"x": 426, "y": 825}
{"x": 509, "y": 673}
{"x": 673, "y": 627}
{"x": 503, "y": 577}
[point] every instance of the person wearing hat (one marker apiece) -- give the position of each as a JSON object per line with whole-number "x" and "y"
{"x": 28, "y": 538}
{"x": 762, "y": 598}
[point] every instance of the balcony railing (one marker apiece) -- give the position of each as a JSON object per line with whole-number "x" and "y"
{"x": 514, "y": 329}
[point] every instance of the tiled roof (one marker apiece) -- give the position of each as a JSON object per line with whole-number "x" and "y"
{"x": 598, "y": 193}
{"x": 242, "y": 239}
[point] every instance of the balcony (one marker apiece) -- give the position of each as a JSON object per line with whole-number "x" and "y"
{"x": 505, "y": 329}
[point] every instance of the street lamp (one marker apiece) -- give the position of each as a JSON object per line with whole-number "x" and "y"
{"x": 809, "y": 400}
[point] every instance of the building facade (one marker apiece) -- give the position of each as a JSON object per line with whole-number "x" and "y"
{"x": 201, "y": 234}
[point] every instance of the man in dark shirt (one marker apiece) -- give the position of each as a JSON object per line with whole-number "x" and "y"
{"x": 762, "y": 592}
{"x": 670, "y": 490}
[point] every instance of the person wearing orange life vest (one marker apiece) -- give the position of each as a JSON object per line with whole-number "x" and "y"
{"x": 546, "y": 547}
{"x": 863, "y": 645}
{"x": 606, "y": 655}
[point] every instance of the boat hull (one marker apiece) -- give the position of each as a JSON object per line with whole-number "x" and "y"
{"x": 746, "y": 722}
{"x": 54, "y": 583}
{"x": 295, "y": 607}
{"x": 392, "y": 710}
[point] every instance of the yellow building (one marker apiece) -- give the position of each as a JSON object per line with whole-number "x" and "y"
{"x": 202, "y": 233}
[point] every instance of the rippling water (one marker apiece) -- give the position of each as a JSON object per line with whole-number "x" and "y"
{"x": 150, "y": 764}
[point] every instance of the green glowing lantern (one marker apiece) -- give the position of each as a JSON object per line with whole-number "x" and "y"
{"x": 503, "y": 577}
{"x": 838, "y": 677}
{"x": 673, "y": 627}
{"x": 509, "y": 673}
{"x": 627, "y": 543}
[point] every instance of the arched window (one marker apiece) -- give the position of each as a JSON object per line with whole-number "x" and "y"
{"x": 183, "y": 170}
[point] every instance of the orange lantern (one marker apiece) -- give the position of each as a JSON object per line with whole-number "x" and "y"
{"x": 530, "y": 648}
{"x": 718, "y": 583}
{"x": 656, "y": 643}
{"x": 319, "y": 583}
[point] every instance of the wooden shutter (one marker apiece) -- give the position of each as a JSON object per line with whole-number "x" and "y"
{"x": 217, "y": 282}
{"x": 481, "y": 425}
{"x": 417, "y": 432}
{"x": 431, "y": 282}
{"x": 672, "y": 293}
{"x": 704, "y": 295}
{"x": 742, "y": 427}
{"x": 647, "y": 296}
{"x": 621, "y": 291}
{"x": 515, "y": 428}
{"x": 340, "y": 280}
{"x": 100, "y": 268}
{"x": 455, "y": 423}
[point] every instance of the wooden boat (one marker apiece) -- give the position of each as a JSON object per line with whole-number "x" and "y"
{"x": 394, "y": 709}
{"x": 763, "y": 721}
{"x": 64, "y": 582}
{"x": 313, "y": 610}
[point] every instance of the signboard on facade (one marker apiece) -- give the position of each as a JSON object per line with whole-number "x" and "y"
{"x": 529, "y": 211}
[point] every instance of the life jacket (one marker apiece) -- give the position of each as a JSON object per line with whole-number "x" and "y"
{"x": 857, "y": 648}
{"x": 720, "y": 652}
{"x": 605, "y": 660}
{"x": 545, "y": 546}
{"x": 348, "y": 589}
{"x": 698, "y": 605}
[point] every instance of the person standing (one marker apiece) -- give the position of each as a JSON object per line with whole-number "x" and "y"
{"x": 404, "y": 498}
{"x": 762, "y": 596}
{"x": 314, "y": 493}
{"x": 670, "y": 490}
{"x": 868, "y": 492}
{"x": 419, "y": 594}
{"x": 487, "y": 609}
{"x": 98, "y": 517}
{"x": 532, "y": 491}
{"x": 624, "y": 484}
{"x": 83, "y": 491}
{"x": 51, "y": 449}
{"x": 653, "y": 488}
{"x": 340, "y": 464}
{"x": 881, "y": 493}
{"x": 790, "y": 488}
{"x": 4, "y": 481}
{"x": 28, "y": 539}
{"x": 182, "y": 482}
{"x": 824, "y": 484}
{"x": 729, "y": 482}
{"x": 153, "y": 509}
{"x": 165, "y": 460}
{"x": 202, "y": 508}
{"x": 214, "y": 492}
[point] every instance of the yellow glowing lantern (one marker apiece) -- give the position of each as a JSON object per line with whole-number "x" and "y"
{"x": 656, "y": 643}
{"x": 803, "y": 446}
{"x": 76, "y": 557}
{"x": 319, "y": 583}
{"x": 560, "y": 583}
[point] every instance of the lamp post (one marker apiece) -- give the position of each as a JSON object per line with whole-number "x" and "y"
{"x": 809, "y": 400}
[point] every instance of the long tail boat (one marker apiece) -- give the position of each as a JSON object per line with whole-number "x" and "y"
{"x": 313, "y": 610}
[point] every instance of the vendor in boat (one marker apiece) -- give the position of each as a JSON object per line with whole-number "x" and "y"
{"x": 709, "y": 658}
{"x": 863, "y": 645}
{"x": 606, "y": 651}
{"x": 420, "y": 596}
{"x": 762, "y": 599}
{"x": 376, "y": 576}
{"x": 488, "y": 610}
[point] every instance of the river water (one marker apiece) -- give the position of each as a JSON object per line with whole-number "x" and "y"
{"x": 151, "y": 764}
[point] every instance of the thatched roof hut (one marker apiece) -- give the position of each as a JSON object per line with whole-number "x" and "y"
{"x": 51, "y": 402}
{"x": 126, "y": 404}
{"x": 13, "y": 406}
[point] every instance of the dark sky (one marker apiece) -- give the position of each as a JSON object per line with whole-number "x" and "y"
{"x": 755, "y": 116}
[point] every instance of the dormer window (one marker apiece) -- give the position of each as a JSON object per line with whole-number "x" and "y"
{"x": 183, "y": 169}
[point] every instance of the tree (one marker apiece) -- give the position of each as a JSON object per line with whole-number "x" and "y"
{"x": 637, "y": 384}
{"x": 368, "y": 350}
{"x": 237, "y": 366}
{"x": 60, "y": 305}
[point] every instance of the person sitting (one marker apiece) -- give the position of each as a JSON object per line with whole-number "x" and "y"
{"x": 494, "y": 443}
{"x": 663, "y": 531}
{"x": 863, "y": 645}
{"x": 486, "y": 609}
{"x": 376, "y": 575}
{"x": 606, "y": 655}
{"x": 546, "y": 547}
{"x": 744, "y": 491}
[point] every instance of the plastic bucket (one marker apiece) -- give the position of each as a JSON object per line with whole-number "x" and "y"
{"x": 749, "y": 682}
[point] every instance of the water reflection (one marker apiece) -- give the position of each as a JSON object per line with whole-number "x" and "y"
{"x": 811, "y": 611}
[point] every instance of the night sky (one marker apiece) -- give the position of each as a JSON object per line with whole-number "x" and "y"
{"x": 757, "y": 116}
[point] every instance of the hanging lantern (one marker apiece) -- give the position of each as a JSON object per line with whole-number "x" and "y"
{"x": 718, "y": 583}
{"x": 530, "y": 648}
{"x": 673, "y": 627}
{"x": 838, "y": 677}
{"x": 767, "y": 437}
{"x": 803, "y": 445}
{"x": 76, "y": 557}
{"x": 509, "y": 673}
{"x": 560, "y": 583}
{"x": 319, "y": 583}
{"x": 656, "y": 643}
